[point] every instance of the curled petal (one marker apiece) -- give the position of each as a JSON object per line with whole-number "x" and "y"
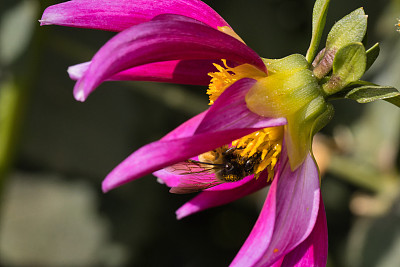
{"x": 166, "y": 38}
{"x": 288, "y": 216}
{"x": 193, "y": 72}
{"x": 157, "y": 155}
{"x": 119, "y": 15}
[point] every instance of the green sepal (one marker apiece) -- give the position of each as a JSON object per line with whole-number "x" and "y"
{"x": 372, "y": 55}
{"x": 322, "y": 120}
{"x": 318, "y": 23}
{"x": 370, "y": 93}
{"x": 288, "y": 87}
{"x": 302, "y": 126}
{"x": 349, "y": 65}
{"x": 350, "y": 29}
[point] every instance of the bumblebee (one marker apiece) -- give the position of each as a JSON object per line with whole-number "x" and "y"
{"x": 224, "y": 164}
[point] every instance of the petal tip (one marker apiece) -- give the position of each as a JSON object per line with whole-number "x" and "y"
{"x": 76, "y": 72}
{"x": 43, "y": 22}
{"x": 105, "y": 186}
{"x": 80, "y": 95}
{"x": 160, "y": 181}
{"x": 73, "y": 73}
{"x": 179, "y": 215}
{"x": 50, "y": 17}
{"x": 186, "y": 210}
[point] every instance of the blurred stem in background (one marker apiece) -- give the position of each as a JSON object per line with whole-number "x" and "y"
{"x": 19, "y": 58}
{"x": 12, "y": 100}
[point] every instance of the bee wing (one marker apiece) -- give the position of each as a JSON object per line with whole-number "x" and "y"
{"x": 190, "y": 167}
{"x": 196, "y": 176}
{"x": 192, "y": 185}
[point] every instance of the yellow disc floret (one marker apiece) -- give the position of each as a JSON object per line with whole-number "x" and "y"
{"x": 225, "y": 76}
{"x": 267, "y": 144}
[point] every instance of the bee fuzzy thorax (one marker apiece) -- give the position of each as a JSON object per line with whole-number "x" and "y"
{"x": 251, "y": 154}
{"x": 236, "y": 167}
{"x": 231, "y": 166}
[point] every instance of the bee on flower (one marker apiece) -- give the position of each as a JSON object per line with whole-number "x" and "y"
{"x": 262, "y": 117}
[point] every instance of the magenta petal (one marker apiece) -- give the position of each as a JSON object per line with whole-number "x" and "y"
{"x": 230, "y": 111}
{"x": 222, "y": 194}
{"x": 278, "y": 263}
{"x": 167, "y": 37}
{"x": 314, "y": 250}
{"x": 76, "y": 72}
{"x": 288, "y": 216}
{"x": 157, "y": 155}
{"x": 119, "y": 15}
{"x": 176, "y": 71}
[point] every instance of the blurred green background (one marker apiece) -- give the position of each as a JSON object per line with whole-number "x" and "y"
{"x": 54, "y": 151}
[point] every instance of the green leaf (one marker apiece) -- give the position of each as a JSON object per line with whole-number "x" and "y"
{"x": 394, "y": 100}
{"x": 348, "y": 66}
{"x": 369, "y": 93}
{"x": 318, "y": 23}
{"x": 349, "y": 29}
{"x": 372, "y": 55}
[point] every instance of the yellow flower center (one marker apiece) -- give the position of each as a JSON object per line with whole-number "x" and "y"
{"x": 226, "y": 76}
{"x": 264, "y": 145}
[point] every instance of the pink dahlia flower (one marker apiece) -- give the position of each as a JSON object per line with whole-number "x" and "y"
{"x": 186, "y": 41}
